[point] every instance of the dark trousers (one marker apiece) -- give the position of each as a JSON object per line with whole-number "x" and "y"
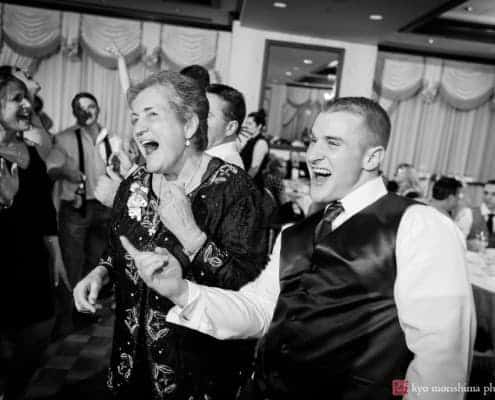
{"x": 21, "y": 350}
{"x": 83, "y": 238}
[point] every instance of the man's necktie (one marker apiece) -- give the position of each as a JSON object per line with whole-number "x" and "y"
{"x": 489, "y": 223}
{"x": 324, "y": 227}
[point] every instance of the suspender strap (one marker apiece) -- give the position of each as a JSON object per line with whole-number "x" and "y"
{"x": 108, "y": 148}
{"x": 80, "y": 151}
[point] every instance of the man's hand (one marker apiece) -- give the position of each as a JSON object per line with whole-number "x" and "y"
{"x": 160, "y": 270}
{"x": 9, "y": 182}
{"x": 87, "y": 290}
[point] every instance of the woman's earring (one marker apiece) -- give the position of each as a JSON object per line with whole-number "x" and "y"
{"x": 188, "y": 142}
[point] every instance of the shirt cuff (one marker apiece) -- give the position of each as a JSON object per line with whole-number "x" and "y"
{"x": 190, "y": 314}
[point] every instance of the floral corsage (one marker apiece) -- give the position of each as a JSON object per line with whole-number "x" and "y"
{"x": 137, "y": 201}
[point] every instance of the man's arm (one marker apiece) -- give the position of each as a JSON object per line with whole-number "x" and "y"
{"x": 434, "y": 302}
{"x": 227, "y": 314}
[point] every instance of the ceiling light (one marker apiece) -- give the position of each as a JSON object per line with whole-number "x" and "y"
{"x": 279, "y": 4}
{"x": 327, "y": 96}
{"x": 431, "y": 41}
{"x": 468, "y": 8}
{"x": 376, "y": 17}
{"x": 308, "y": 61}
{"x": 288, "y": 73}
{"x": 333, "y": 63}
{"x": 295, "y": 68}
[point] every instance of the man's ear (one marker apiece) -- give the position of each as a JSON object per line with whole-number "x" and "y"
{"x": 191, "y": 126}
{"x": 373, "y": 158}
{"x": 231, "y": 128}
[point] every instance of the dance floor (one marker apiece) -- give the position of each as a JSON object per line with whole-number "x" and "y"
{"x": 75, "y": 367}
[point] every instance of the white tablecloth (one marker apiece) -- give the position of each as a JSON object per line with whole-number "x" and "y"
{"x": 481, "y": 267}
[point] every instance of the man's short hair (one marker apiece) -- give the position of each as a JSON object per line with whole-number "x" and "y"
{"x": 198, "y": 73}
{"x": 185, "y": 97}
{"x": 81, "y": 95}
{"x": 235, "y": 107}
{"x": 445, "y": 187}
{"x": 375, "y": 117}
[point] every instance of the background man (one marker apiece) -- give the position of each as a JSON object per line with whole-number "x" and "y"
{"x": 83, "y": 221}
{"x": 480, "y": 221}
{"x": 446, "y": 195}
{"x": 227, "y": 112}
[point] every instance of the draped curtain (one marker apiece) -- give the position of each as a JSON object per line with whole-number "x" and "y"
{"x": 442, "y": 114}
{"x": 66, "y": 53}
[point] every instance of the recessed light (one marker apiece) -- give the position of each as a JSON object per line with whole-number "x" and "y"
{"x": 288, "y": 73}
{"x": 431, "y": 41}
{"x": 468, "y": 8}
{"x": 376, "y": 17}
{"x": 308, "y": 61}
{"x": 295, "y": 68}
{"x": 279, "y": 4}
{"x": 333, "y": 63}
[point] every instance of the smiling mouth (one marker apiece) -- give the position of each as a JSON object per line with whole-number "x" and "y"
{"x": 149, "y": 146}
{"x": 24, "y": 114}
{"x": 321, "y": 173}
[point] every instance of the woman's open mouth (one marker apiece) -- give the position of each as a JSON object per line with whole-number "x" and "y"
{"x": 149, "y": 146}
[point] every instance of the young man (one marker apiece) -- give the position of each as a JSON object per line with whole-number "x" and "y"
{"x": 445, "y": 195}
{"x": 480, "y": 221}
{"x": 227, "y": 112}
{"x": 357, "y": 297}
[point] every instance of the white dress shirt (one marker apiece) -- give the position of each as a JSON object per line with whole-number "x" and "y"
{"x": 432, "y": 293}
{"x": 227, "y": 152}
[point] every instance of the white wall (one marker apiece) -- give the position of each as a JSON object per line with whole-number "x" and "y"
{"x": 248, "y": 49}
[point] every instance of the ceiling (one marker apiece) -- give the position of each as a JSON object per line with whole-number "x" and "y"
{"x": 457, "y": 28}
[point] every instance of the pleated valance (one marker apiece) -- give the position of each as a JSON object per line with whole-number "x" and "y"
{"x": 38, "y": 33}
{"x": 463, "y": 85}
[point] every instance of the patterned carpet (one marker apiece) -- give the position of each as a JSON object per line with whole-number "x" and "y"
{"x": 75, "y": 367}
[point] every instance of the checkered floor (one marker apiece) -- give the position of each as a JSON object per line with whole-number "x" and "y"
{"x": 75, "y": 366}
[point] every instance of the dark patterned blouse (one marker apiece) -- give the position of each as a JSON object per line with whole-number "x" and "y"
{"x": 151, "y": 357}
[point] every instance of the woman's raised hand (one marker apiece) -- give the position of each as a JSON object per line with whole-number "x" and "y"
{"x": 9, "y": 182}
{"x": 176, "y": 214}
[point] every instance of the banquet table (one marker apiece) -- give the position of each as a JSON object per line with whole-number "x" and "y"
{"x": 481, "y": 268}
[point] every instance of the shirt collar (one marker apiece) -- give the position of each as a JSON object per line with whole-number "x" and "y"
{"x": 484, "y": 210}
{"x": 362, "y": 197}
{"x": 222, "y": 148}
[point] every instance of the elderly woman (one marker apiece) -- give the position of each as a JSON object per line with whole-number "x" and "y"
{"x": 185, "y": 206}
{"x": 28, "y": 242}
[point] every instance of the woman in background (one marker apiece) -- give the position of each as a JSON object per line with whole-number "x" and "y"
{"x": 254, "y": 146}
{"x": 29, "y": 245}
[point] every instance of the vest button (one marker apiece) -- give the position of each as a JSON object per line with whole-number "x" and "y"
{"x": 293, "y": 318}
{"x": 284, "y": 349}
{"x": 313, "y": 268}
